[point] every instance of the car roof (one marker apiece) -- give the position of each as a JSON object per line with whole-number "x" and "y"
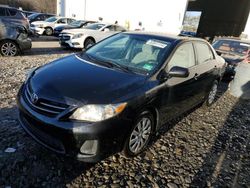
{"x": 166, "y": 36}
{"x": 234, "y": 39}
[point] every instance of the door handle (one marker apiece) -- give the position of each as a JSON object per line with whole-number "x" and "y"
{"x": 196, "y": 76}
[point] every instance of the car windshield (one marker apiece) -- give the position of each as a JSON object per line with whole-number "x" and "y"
{"x": 95, "y": 26}
{"x": 232, "y": 47}
{"x": 141, "y": 54}
{"x": 77, "y": 23}
{"x": 32, "y": 16}
{"x": 51, "y": 19}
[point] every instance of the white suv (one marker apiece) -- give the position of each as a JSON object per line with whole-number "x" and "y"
{"x": 47, "y": 26}
{"x": 83, "y": 38}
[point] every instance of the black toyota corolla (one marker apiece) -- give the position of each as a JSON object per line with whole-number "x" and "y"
{"x": 114, "y": 96}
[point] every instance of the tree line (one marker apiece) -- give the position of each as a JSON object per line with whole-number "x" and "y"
{"x": 46, "y": 6}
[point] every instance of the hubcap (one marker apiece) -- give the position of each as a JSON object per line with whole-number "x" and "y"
{"x": 212, "y": 94}
{"x": 140, "y": 135}
{"x": 48, "y": 31}
{"x": 9, "y": 49}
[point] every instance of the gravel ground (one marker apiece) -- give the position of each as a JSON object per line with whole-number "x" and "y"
{"x": 205, "y": 148}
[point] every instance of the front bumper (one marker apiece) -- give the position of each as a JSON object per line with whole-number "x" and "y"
{"x": 67, "y": 137}
{"x": 57, "y": 33}
{"x": 69, "y": 42}
{"x": 37, "y": 30}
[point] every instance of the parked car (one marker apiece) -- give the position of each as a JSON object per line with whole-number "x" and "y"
{"x": 39, "y": 17}
{"x": 74, "y": 25}
{"x": 118, "y": 93}
{"x": 28, "y": 13}
{"x": 83, "y": 38}
{"x": 233, "y": 51}
{"x": 13, "y": 16}
{"x": 13, "y": 34}
{"x": 47, "y": 27}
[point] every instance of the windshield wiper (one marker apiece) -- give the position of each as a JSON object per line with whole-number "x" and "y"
{"x": 119, "y": 66}
{"x": 110, "y": 64}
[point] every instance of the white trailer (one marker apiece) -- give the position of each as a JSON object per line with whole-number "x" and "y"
{"x": 158, "y": 15}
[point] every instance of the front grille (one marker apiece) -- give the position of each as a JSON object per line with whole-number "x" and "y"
{"x": 64, "y": 37}
{"x": 41, "y": 136}
{"x": 46, "y": 107}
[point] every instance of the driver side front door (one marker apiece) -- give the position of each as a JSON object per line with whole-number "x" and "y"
{"x": 180, "y": 94}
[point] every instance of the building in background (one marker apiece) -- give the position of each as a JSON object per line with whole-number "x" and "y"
{"x": 158, "y": 15}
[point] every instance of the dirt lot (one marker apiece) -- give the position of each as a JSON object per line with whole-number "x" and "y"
{"x": 206, "y": 148}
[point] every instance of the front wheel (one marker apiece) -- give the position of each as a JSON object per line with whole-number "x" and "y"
{"x": 88, "y": 43}
{"x": 140, "y": 135}
{"x": 48, "y": 31}
{"x": 212, "y": 94}
{"x": 8, "y": 48}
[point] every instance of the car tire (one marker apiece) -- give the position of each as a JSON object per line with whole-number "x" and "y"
{"x": 48, "y": 31}
{"x": 9, "y": 48}
{"x": 88, "y": 43}
{"x": 210, "y": 99}
{"x": 140, "y": 135}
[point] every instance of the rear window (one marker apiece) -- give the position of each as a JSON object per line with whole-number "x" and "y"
{"x": 233, "y": 47}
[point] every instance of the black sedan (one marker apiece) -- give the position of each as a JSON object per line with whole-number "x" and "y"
{"x": 117, "y": 94}
{"x": 74, "y": 25}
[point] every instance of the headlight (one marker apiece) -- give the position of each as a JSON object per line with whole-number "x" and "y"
{"x": 94, "y": 113}
{"x": 77, "y": 36}
{"x": 29, "y": 73}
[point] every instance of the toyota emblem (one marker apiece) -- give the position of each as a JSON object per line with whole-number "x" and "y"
{"x": 34, "y": 98}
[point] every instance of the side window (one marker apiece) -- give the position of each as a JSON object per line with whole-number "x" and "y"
{"x": 111, "y": 28}
{"x": 40, "y": 17}
{"x": 2, "y": 11}
{"x": 62, "y": 21}
{"x": 12, "y": 12}
{"x": 204, "y": 53}
{"x": 70, "y": 20}
{"x": 183, "y": 57}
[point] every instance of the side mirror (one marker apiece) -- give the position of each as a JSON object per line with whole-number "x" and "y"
{"x": 180, "y": 72}
{"x": 106, "y": 30}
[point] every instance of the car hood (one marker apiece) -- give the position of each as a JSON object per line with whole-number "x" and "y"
{"x": 74, "y": 81}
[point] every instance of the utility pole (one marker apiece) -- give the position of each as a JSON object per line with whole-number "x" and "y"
{"x": 85, "y": 8}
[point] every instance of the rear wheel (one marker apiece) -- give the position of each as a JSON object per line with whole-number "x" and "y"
{"x": 8, "y": 48}
{"x": 212, "y": 94}
{"x": 140, "y": 135}
{"x": 88, "y": 43}
{"x": 48, "y": 31}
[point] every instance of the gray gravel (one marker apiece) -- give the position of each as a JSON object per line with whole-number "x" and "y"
{"x": 206, "y": 148}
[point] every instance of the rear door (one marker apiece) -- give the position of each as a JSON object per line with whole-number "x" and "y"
{"x": 207, "y": 67}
